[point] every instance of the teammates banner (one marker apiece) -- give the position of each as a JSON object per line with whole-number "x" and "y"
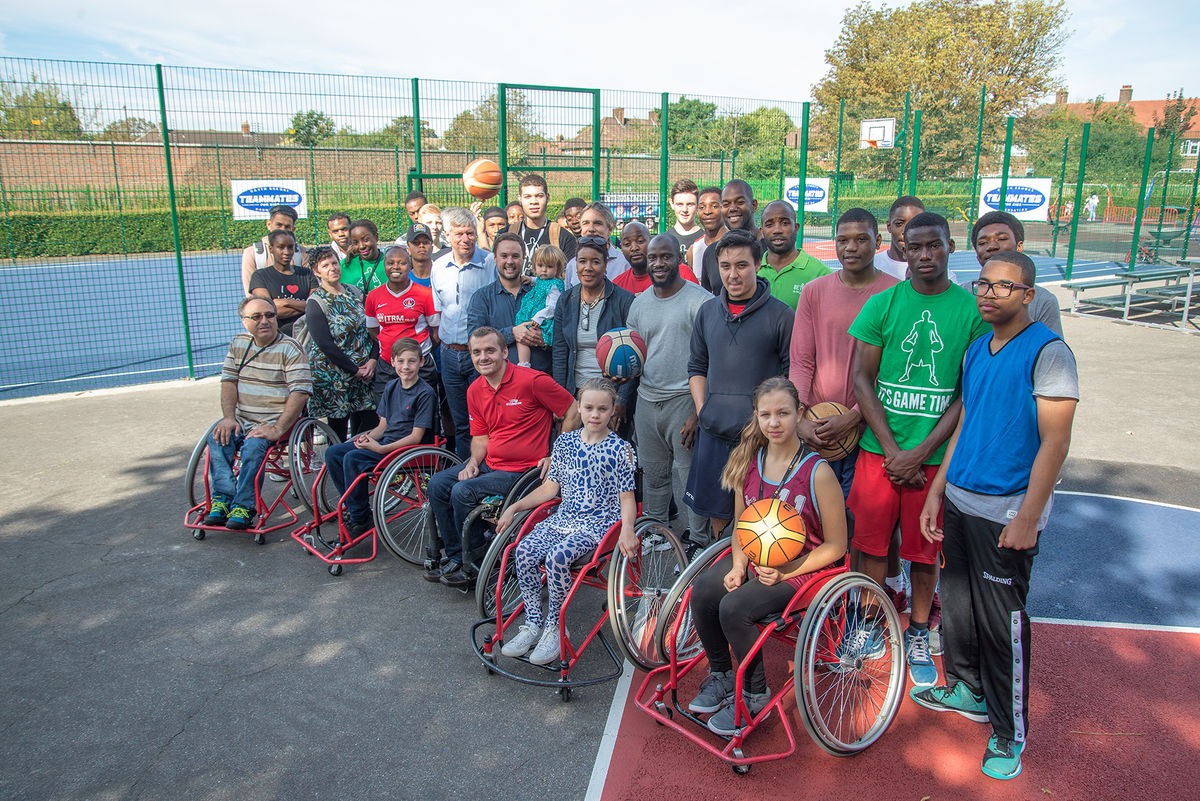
{"x": 1027, "y": 198}
{"x": 251, "y": 200}
{"x": 816, "y": 194}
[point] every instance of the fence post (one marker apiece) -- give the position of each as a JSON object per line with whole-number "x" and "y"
{"x": 916, "y": 152}
{"x": 1008, "y": 136}
{"x": 837, "y": 170}
{"x": 312, "y": 182}
{"x": 166, "y": 137}
{"x": 1062, "y": 176}
{"x": 803, "y": 174}
{"x": 664, "y": 159}
{"x": 502, "y": 135}
{"x": 416, "y": 121}
{"x": 781, "y": 194}
{"x": 902, "y": 136}
{"x": 112, "y": 146}
{"x": 1141, "y": 199}
{"x": 221, "y": 194}
{"x": 722, "y": 181}
{"x": 595, "y": 144}
{"x": 608, "y": 169}
{"x": 12, "y": 246}
{"x": 1162, "y": 207}
{"x": 978, "y": 148}
{"x": 399, "y": 202}
{"x": 1083, "y": 148}
{"x": 1191, "y": 216}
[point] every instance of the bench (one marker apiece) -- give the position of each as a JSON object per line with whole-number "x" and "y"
{"x": 1132, "y": 283}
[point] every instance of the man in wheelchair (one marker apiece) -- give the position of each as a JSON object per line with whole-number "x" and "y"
{"x": 511, "y": 410}
{"x": 265, "y": 384}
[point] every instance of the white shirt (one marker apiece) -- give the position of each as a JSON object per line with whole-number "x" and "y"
{"x": 453, "y": 287}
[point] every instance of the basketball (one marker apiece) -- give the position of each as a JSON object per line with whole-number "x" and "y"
{"x": 771, "y": 532}
{"x": 621, "y": 353}
{"x": 483, "y": 179}
{"x": 843, "y": 447}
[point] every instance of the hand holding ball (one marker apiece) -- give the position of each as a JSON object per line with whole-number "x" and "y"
{"x": 771, "y": 533}
{"x": 621, "y": 353}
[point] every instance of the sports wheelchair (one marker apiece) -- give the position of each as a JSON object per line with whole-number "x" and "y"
{"x": 292, "y": 462}
{"x": 846, "y": 695}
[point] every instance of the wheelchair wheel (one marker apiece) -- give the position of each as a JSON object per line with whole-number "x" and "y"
{"x": 193, "y": 479}
{"x": 637, "y": 588}
{"x": 528, "y": 481}
{"x": 489, "y": 573}
{"x": 306, "y": 455}
{"x": 687, "y": 642}
{"x": 401, "y": 505}
{"x": 849, "y": 684}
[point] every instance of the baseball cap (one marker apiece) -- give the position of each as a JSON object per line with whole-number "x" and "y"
{"x": 418, "y": 229}
{"x": 494, "y": 211}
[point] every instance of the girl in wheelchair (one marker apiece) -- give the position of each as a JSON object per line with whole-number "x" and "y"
{"x": 593, "y": 469}
{"x": 771, "y": 461}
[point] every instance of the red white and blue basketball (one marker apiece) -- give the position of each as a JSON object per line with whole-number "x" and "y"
{"x": 771, "y": 532}
{"x": 621, "y": 353}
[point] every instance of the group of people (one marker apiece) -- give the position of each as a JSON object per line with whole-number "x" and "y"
{"x": 964, "y": 396}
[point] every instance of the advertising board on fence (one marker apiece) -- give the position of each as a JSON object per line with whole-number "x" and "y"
{"x": 816, "y": 194}
{"x": 251, "y": 200}
{"x": 1026, "y": 198}
{"x": 626, "y": 206}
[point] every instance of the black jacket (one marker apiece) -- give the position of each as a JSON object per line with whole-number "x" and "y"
{"x": 566, "y": 325}
{"x": 736, "y": 354}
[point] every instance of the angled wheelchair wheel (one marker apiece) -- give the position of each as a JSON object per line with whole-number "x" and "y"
{"x": 637, "y": 588}
{"x": 489, "y": 573}
{"x": 401, "y": 503}
{"x": 306, "y": 455}
{"x": 674, "y": 605}
{"x": 193, "y": 479}
{"x": 849, "y": 665}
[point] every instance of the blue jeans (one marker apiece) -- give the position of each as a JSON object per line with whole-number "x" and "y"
{"x": 345, "y": 462}
{"x": 453, "y": 500}
{"x": 220, "y": 467}
{"x": 457, "y": 374}
{"x": 843, "y": 469}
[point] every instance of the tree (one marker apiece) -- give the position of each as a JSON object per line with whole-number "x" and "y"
{"x": 689, "y": 126}
{"x": 1176, "y": 117}
{"x": 942, "y": 52}
{"x": 128, "y": 129}
{"x": 310, "y": 128}
{"x": 1116, "y": 143}
{"x": 400, "y": 132}
{"x": 479, "y": 127}
{"x": 41, "y": 110}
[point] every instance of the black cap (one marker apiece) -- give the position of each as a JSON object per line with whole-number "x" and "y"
{"x": 418, "y": 229}
{"x": 494, "y": 211}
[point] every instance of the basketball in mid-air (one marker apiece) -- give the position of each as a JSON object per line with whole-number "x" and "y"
{"x": 483, "y": 179}
{"x": 621, "y": 353}
{"x": 843, "y": 447}
{"x": 771, "y": 532}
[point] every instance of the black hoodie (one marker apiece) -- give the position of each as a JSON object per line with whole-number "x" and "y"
{"x": 736, "y": 354}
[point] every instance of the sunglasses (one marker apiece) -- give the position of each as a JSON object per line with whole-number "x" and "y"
{"x": 259, "y": 316}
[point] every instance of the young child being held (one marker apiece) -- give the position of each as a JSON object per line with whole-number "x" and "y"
{"x": 593, "y": 469}
{"x": 538, "y": 304}
{"x": 771, "y": 461}
{"x": 406, "y": 415}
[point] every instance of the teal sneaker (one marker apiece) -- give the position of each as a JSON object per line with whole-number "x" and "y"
{"x": 958, "y": 698}
{"x": 1002, "y": 759}
{"x": 218, "y": 512}
{"x": 240, "y": 518}
{"x": 921, "y": 670}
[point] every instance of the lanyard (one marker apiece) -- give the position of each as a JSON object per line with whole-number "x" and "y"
{"x": 367, "y": 276}
{"x": 247, "y": 357}
{"x": 783, "y": 479}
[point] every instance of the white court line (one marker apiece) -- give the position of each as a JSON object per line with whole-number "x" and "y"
{"x": 1125, "y": 498}
{"x": 608, "y": 740}
{"x": 1105, "y": 624}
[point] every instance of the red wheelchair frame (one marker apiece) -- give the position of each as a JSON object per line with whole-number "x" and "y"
{"x": 500, "y": 605}
{"x": 814, "y": 623}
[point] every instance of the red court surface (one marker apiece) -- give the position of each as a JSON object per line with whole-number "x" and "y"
{"x": 1115, "y": 715}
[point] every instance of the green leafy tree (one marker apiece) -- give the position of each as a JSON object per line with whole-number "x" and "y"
{"x": 942, "y": 52}
{"x": 128, "y": 129}
{"x": 310, "y": 128}
{"x": 1176, "y": 116}
{"x": 1116, "y": 143}
{"x": 479, "y": 127}
{"x": 690, "y": 126}
{"x": 41, "y": 110}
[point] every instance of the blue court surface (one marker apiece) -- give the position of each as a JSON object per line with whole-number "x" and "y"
{"x": 113, "y": 321}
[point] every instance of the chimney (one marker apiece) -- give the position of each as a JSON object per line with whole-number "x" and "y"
{"x": 1060, "y": 99}
{"x": 619, "y": 115}
{"x": 245, "y": 129}
{"x": 1126, "y": 94}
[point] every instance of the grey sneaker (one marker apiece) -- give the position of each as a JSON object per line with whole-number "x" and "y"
{"x": 723, "y": 721}
{"x": 526, "y": 638}
{"x": 547, "y": 647}
{"x": 935, "y": 641}
{"x": 716, "y": 691}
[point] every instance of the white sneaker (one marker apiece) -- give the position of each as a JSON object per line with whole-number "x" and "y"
{"x": 547, "y": 647}
{"x": 935, "y": 641}
{"x": 526, "y": 638}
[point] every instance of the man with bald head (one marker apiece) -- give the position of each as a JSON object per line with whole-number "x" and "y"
{"x": 633, "y": 246}
{"x": 737, "y": 208}
{"x": 786, "y": 268}
{"x": 666, "y": 417}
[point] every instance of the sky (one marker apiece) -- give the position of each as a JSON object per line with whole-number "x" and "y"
{"x": 621, "y": 44}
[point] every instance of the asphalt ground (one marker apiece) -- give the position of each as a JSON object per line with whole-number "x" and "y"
{"x": 141, "y": 664}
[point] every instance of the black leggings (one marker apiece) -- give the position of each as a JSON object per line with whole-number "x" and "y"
{"x": 729, "y": 619}
{"x": 357, "y": 423}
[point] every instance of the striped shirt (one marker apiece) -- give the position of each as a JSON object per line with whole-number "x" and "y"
{"x": 265, "y": 377}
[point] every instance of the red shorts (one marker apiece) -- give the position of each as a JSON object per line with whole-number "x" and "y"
{"x": 878, "y": 505}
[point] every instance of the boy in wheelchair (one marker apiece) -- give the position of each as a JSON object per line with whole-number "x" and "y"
{"x": 406, "y": 416}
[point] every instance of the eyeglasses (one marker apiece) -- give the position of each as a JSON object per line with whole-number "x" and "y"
{"x": 593, "y": 241}
{"x": 1000, "y": 289}
{"x": 258, "y": 316}
{"x": 586, "y": 309}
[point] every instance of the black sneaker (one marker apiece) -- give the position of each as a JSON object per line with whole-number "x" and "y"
{"x": 434, "y": 574}
{"x": 456, "y": 578}
{"x": 356, "y": 528}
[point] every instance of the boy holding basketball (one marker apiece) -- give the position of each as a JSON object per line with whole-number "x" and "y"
{"x": 1019, "y": 392}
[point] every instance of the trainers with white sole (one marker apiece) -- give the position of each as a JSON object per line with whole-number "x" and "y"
{"x": 547, "y": 649}
{"x": 526, "y": 638}
{"x": 921, "y": 670}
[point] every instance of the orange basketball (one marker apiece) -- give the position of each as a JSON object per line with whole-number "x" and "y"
{"x": 843, "y": 447}
{"x": 771, "y": 532}
{"x": 483, "y": 178}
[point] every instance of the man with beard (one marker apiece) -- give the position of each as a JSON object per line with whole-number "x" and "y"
{"x": 496, "y": 304}
{"x": 737, "y": 209}
{"x": 786, "y": 268}
{"x": 633, "y": 246}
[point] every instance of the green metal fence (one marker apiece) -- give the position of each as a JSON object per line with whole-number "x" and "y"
{"x": 121, "y": 249}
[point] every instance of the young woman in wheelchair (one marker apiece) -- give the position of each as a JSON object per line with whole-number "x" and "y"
{"x": 728, "y": 600}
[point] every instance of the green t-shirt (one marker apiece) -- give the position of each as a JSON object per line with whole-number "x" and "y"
{"x": 364, "y": 275}
{"x": 924, "y": 338}
{"x": 787, "y": 283}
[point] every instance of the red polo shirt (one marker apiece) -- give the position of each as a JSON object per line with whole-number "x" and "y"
{"x": 516, "y": 416}
{"x": 637, "y": 285}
